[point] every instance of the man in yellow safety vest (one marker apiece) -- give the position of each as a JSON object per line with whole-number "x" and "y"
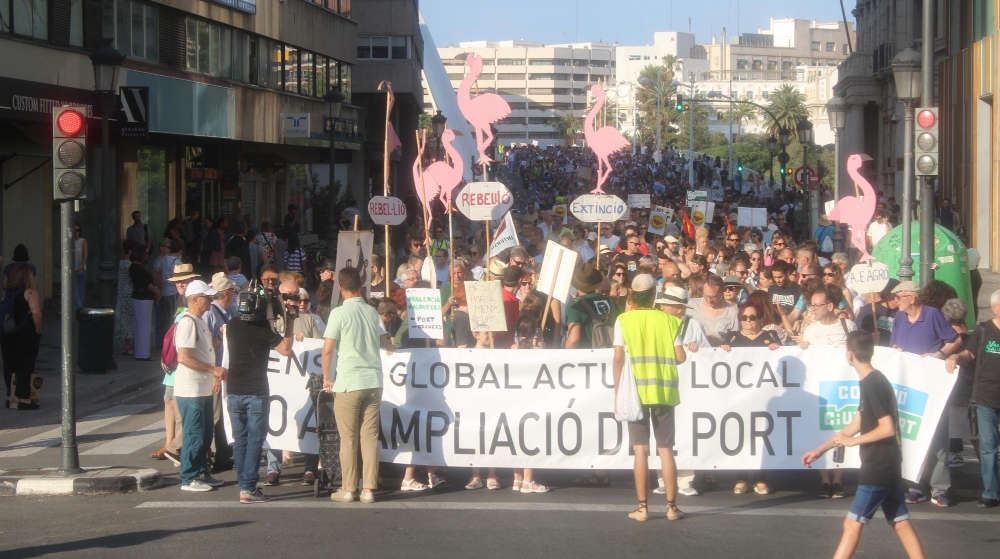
{"x": 654, "y": 353}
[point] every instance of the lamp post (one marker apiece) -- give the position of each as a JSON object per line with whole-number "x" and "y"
{"x": 334, "y": 101}
{"x": 107, "y": 63}
{"x": 659, "y": 118}
{"x": 927, "y": 199}
{"x": 438, "y": 123}
{"x": 772, "y": 144}
{"x": 907, "y": 76}
{"x": 785, "y": 135}
{"x": 836, "y": 110}
{"x": 804, "y": 128}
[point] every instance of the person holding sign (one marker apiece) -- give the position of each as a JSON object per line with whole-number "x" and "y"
{"x": 353, "y": 335}
{"x": 650, "y": 336}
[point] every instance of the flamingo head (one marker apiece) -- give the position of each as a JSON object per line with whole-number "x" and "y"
{"x": 447, "y": 137}
{"x": 597, "y": 91}
{"x": 470, "y": 60}
{"x": 854, "y": 160}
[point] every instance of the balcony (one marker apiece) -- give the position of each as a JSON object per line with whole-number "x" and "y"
{"x": 857, "y": 65}
{"x": 882, "y": 57}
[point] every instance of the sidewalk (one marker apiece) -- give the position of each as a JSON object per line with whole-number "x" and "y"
{"x": 991, "y": 283}
{"x": 92, "y": 389}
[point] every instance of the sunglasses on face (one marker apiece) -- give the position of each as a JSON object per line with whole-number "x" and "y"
{"x": 748, "y": 318}
{"x": 269, "y": 279}
{"x": 731, "y": 288}
{"x": 617, "y": 274}
{"x": 474, "y": 252}
{"x": 733, "y": 239}
{"x": 808, "y": 275}
{"x": 829, "y": 275}
{"x": 294, "y": 297}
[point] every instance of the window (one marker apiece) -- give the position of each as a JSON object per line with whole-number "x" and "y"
{"x": 786, "y": 64}
{"x": 772, "y": 64}
{"x": 765, "y": 94}
{"x": 845, "y": 48}
{"x": 364, "y": 48}
{"x": 400, "y": 48}
{"x": 134, "y": 26}
{"x": 308, "y": 74}
{"x": 815, "y": 45}
{"x": 334, "y": 75}
{"x": 291, "y": 69}
{"x": 345, "y": 81}
{"x": 322, "y": 78}
{"x": 380, "y": 48}
{"x": 645, "y": 57}
{"x": 758, "y": 65}
{"x": 508, "y": 77}
{"x": 30, "y": 18}
{"x": 831, "y": 46}
{"x": 539, "y": 62}
{"x": 209, "y": 48}
{"x": 274, "y": 62}
{"x": 741, "y": 64}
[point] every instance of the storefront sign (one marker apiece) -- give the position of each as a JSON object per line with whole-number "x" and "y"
{"x": 295, "y": 125}
{"x": 245, "y": 6}
{"x": 133, "y": 112}
{"x": 24, "y": 100}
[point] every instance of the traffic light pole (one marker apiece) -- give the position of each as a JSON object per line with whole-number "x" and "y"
{"x": 927, "y": 199}
{"x": 70, "y": 455}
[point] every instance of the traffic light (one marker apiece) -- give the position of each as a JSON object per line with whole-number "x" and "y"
{"x": 925, "y": 149}
{"x": 680, "y": 102}
{"x": 491, "y": 170}
{"x": 739, "y": 165}
{"x": 69, "y": 153}
{"x": 783, "y": 171}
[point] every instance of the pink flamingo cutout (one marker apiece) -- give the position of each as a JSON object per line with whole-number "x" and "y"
{"x": 857, "y": 212}
{"x": 481, "y": 111}
{"x": 424, "y": 193}
{"x": 390, "y": 130}
{"x": 604, "y": 142}
{"x": 442, "y": 178}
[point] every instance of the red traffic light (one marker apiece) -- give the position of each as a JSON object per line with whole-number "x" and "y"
{"x": 70, "y": 123}
{"x": 926, "y": 119}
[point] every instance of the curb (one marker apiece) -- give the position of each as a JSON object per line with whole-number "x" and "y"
{"x": 48, "y": 481}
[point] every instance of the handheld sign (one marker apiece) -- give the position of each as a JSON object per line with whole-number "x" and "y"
{"x": 868, "y": 279}
{"x": 423, "y": 314}
{"x": 354, "y": 250}
{"x": 696, "y": 196}
{"x": 387, "y": 210}
{"x": 638, "y": 201}
{"x": 556, "y": 274}
{"x": 751, "y": 217}
{"x": 658, "y": 219}
{"x": 593, "y": 208}
{"x": 484, "y": 201}
{"x": 486, "y": 312}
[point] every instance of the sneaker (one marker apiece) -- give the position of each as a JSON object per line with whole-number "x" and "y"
{"x": 956, "y": 461}
{"x": 212, "y": 481}
{"x": 197, "y": 485}
{"x": 474, "y": 483}
{"x": 686, "y": 491}
{"x": 174, "y": 458}
{"x": 492, "y": 483}
{"x": 342, "y": 496}
{"x": 913, "y": 497}
{"x": 825, "y": 491}
{"x": 836, "y": 492}
{"x": 367, "y": 497}
{"x": 987, "y": 503}
{"x": 941, "y": 500}
{"x": 251, "y": 497}
{"x": 308, "y": 478}
{"x": 271, "y": 479}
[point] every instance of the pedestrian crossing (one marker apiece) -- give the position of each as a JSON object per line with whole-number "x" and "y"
{"x": 109, "y": 432}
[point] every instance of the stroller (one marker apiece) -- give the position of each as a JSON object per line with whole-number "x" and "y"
{"x": 327, "y": 435}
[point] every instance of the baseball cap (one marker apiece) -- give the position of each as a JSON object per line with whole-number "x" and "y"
{"x": 907, "y": 287}
{"x": 670, "y": 239}
{"x": 591, "y": 236}
{"x": 198, "y": 287}
{"x": 643, "y": 282}
{"x": 512, "y": 275}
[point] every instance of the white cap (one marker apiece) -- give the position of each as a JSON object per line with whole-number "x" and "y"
{"x": 198, "y": 287}
{"x": 670, "y": 239}
{"x": 591, "y": 236}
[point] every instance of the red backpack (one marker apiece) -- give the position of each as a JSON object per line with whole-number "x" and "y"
{"x": 168, "y": 352}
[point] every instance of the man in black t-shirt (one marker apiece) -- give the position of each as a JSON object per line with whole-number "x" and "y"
{"x": 783, "y": 292}
{"x": 249, "y": 341}
{"x": 880, "y": 477}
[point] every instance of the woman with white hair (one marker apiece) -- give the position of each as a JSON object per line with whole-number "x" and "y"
{"x": 955, "y": 311}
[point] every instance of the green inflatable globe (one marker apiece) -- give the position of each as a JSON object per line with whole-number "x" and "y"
{"x": 949, "y": 253}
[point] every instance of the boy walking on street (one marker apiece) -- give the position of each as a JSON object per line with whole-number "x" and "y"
{"x": 881, "y": 456}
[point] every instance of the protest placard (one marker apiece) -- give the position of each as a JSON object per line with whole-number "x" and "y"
{"x": 486, "y": 311}
{"x": 658, "y": 219}
{"x": 423, "y": 314}
{"x": 638, "y": 201}
{"x": 558, "y": 264}
{"x": 751, "y": 217}
{"x": 593, "y": 208}
{"x": 354, "y": 250}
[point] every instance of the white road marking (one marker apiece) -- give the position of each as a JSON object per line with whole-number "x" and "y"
{"x": 552, "y": 507}
{"x": 132, "y": 442}
{"x": 52, "y": 437}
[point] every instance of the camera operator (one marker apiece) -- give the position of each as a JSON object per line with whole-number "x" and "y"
{"x": 248, "y": 343}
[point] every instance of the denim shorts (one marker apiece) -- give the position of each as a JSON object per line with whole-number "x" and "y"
{"x": 870, "y": 498}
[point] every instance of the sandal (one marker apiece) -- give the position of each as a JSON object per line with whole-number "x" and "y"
{"x": 412, "y": 485}
{"x": 492, "y": 483}
{"x": 533, "y": 487}
{"x": 129, "y": 352}
{"x": 593, "y": 480}
{"x": 474, "y": 483}
{"x": 740, "y": 488}
{"x": 159, "y": 454}
{"x": 761, "y": 488}
{"x": 434, "y": 481}
{"x": 640, "y": 514}
{"x": 517, "y": 484}
{"x": 673, "y": 513}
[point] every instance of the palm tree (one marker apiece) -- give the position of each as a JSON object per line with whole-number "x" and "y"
{"x": 788, "y": 106}
{"x": 742, "y": 112}
{"x": 569, "y": 127}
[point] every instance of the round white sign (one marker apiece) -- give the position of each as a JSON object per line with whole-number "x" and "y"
{"x": 484, "y": 201}
{"x": 387, "y": 210}
{"x": 593, "y": 208}
{"x": 868, "y": 279}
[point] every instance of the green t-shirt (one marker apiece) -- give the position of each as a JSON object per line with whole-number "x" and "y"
{"x": 574, "y": 313}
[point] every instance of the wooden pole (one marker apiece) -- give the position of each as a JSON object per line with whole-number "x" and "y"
{"x": 548, "y": 300}
{"x": 385, "y": 179}
{"x": 356, "y": 224}
{"x": 599, "y": 246}
{"x": 423, "y": 188}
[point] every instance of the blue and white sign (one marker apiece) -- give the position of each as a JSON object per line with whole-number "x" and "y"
{"x": 245, "y": 6}
{"x": 295, "y": 125}
{"x": 593, "y": 208}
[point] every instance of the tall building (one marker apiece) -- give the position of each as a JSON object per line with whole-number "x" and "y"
{"x": 541, "y": 83}
{"x": 235, "y": 113}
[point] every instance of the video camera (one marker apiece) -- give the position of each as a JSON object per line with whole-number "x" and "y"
{"x": 258, "y": 303}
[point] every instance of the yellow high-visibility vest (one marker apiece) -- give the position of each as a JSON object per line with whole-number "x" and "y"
{"x": 649, "y": 336}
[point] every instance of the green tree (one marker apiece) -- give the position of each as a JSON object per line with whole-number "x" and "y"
{"x": 788, "y": 106}
{"x": 679, "y": 131}
{"x": 654, "y": 82}
{"x": 424, "y": 122}
{"x": 741, "y": 113}
{"x": 569, "y": 127}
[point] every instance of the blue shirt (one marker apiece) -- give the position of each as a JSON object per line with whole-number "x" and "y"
{"x": 927, "y": 334}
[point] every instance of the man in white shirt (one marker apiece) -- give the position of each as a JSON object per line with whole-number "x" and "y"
{"x": 878, "y": 229}
{"x": 608, "y": 238}
{"x": 197, "y": 379}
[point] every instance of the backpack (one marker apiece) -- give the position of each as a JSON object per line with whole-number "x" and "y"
{"x": 168, "y": 353}
{"x": 826, "y": 244}
{"x": 602, "y": 333}
{"x": 10, "y": 324}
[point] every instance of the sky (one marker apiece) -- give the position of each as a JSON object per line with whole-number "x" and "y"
{"x": 630, "y": 22}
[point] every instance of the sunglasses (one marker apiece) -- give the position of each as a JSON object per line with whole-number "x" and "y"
{"x": 269, "y": 279}
{"x": 733, "y": 239}
{"x": 731, "y": 288}
{"x": 616, "y": 274}
{"x": 474, "y": 252}
{"x": 290, "y": 297}
{"x": 527, "y": 282}
{"x": 829, "y": 275}
{"x": 748, "y": 317}
{"x": 807, "y": 275}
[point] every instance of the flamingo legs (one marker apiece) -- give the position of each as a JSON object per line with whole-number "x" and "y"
{"x": 482, "y": 142}
{"x": 859, "y": 241}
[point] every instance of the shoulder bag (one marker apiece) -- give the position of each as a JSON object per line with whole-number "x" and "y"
{"x": 628, "y": 407}
{"x": 973, "y": 419}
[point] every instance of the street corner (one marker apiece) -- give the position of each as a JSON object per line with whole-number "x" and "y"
{"x": 89, "y": 481}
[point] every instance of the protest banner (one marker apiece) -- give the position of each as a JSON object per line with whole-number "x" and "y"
{"x": 751, "y": 217}
{"x": 387, "y": 210}
{"x": 423, "y": 314}
{"x": 747, "y": 409}
{"x": 354, "y": 250}
{"x": 484, "y": 201}
{"x": 486, "y": 310}
{"x": 506, "y": 236}
{"x": 556, "y": 274}
{"x": 638, "y": 201}
{"x": 717, "y": 194}
{"x": 593, "y": 208}
{"x": 658, "y": 219}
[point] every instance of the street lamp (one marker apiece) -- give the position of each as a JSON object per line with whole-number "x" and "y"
{"x": 836, "y": 111}
{"x": 334, "y": 101}
{"x": 656, "y": 156}
{"x": 907, "y": 76}
{"x": 107, "y": 63}
{"x": 785, "y": 135}
{"x": 438, "y": 123}
{"x": 804, "y": 128}
{"x": 772, "y": 144}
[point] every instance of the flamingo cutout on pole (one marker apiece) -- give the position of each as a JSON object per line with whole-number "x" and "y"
{"x": 390, "y": 130}
{"x": 419, "y": 183}
{"x": 857, "y": 212}
{"x": 442, "y": 178}
{"x": 481, "y": 111}
{"x": 604, "y": 142}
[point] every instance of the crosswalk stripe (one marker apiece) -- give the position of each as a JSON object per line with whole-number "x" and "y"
{"x": 52, "y": 437}
{"x": 132, "y": 442}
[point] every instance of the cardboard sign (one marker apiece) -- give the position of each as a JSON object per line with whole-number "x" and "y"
{"x": 387, "y": 210}
{"x": 486, "y": 312}
{"x": 868, "y": 279}
{"x": 484, "y": 201}
{"x": 699, "y": 213}
{"x": 423, "y": 314}
{"x": 558, "y": 264}
{"x": 354, "y": 250}
{"x": 751, "y": 217}
{"x": 638, "y": 201}
{"x": 506, "y": 236}
{"x": 718, "y": 194}
{"x": 697, "y": 196}
{"x": 561, "y": 212}
{"x": 658, "y": 219}
{"x": 593, "y": 208}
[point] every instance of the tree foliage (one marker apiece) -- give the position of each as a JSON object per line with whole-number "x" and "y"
{"x": 788, "y": 106}
{"x": 569, "y": 127}
{"x": 654, "y": 82}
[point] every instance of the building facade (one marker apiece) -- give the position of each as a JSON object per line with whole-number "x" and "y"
{"x": 235, "y": 116}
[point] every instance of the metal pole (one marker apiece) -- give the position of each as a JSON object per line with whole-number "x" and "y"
{"x": 70, "y": 455}
{"x": 770, "y": 167}
{"x": 813, "y": 192}
{"x": 658, "y": 118}
{"x": 905, "y": 259}
{"x": 106, "y": 267}
{"x": 691, "y": 135}
{"x": 331, "y": 224}
{"x": 732, "y": 167}
{"x": 838, "y": 233}
{"x": 783, "y": 175}
{"x": 927, "y": 199}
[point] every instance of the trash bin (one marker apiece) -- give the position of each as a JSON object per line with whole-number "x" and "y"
{"x": 95, "y": 352}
